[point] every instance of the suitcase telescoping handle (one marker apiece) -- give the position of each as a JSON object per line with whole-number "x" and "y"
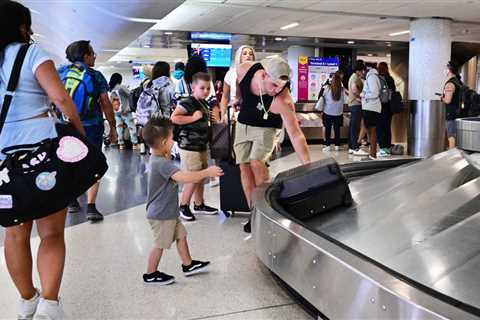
{"x": 231, "y": 153}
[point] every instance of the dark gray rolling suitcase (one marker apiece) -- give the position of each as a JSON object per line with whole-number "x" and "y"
{"x": 312, "y": 189}
{"x": 232, "y": 197}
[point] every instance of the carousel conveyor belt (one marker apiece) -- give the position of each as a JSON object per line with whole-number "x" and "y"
{"x": 409, "y": 246}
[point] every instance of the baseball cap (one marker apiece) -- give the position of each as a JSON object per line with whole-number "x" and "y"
{"x": 277, "y": 68}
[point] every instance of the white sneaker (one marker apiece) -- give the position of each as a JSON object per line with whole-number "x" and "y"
{"x": 27, "y": 308}
{"x": 361, "y": 153}
{"x": 351, "y": 151}
{"x": 337, "y": 148}
{"x": 327, "y": 149}
{"x": 49, "y": 310}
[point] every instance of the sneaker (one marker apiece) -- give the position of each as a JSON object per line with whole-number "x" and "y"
{"x": 383, "y": 153}
{"x": 203, "y": 209}
{"x": 336, "y": 148}
{"x": 327, "y": 149}
{"x": 93, "y": 214}
{"x": 195, "y": 267}
{"x": 27, "y": 308}
{"x": 360, "y": 153}
{"x": 186, "y": 214}
{"x": 158, "y": 278}
{"x": 74, "y": 207}
{"x": 351, "y": 151}
{"x": 49, "y": 310}
{"x": 248, "y": 227}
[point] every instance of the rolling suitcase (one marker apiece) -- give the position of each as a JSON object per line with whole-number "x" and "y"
{"x": 232, "y": 197}
{"x": 312, "y": 189}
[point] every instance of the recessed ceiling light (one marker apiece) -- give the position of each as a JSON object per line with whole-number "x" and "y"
{"x": 351, "y": 42}
{"x": 168, "y": 33}
{"x": 278, "y": 39}
{"x": 399, "y": 33}
{"x": 289, "y": 26}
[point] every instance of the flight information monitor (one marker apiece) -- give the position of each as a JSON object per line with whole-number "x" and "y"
{"x": 215, "y": 55}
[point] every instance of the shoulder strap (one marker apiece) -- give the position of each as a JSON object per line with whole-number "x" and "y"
{"x": 12, "y": 83}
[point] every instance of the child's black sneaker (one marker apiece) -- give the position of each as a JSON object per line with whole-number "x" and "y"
{"x": 203, "y": 209}
{"x": 195, "y": 267}
{"x": 186, "y": 214}
{"x": 158, "y": 278}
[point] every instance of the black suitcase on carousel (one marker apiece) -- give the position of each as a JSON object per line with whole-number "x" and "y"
{"x": 312, "y": 189}
{"x": 232, "y": 197}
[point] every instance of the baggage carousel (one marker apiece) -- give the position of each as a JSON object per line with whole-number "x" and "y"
{"x": 408, "y": 247}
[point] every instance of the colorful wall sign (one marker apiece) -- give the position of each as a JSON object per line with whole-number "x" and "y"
{"x": 312, "y": 73}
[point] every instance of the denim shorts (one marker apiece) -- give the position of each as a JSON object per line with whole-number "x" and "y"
{"x": 451, "y": 128}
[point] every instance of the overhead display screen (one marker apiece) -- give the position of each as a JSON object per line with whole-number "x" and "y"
{"x": 215, "y": 55}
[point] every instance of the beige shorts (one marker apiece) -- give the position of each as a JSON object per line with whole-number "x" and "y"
{"x": 253, "y": 143}
{"x": 165, "y": 232}
{"x": 193, "y": 160}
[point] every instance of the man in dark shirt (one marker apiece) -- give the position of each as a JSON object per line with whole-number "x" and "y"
{"x": 192, "y": 117}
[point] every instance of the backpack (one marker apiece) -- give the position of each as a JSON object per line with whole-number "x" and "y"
{"x": 469, "y": 101}
{"x": 156, "y": 99}
{"x": 135, "y": 96}
{"x": 396, "y": 103}
{"x": 80, "y": 85}
{"x": 385, "y": 92}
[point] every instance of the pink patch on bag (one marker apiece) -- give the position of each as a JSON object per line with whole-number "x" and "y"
{"x": 71, "y": 149}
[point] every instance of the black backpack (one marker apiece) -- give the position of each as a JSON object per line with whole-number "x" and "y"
{"x": 469, "y": 101}
{"x": 134, "y": 96}
{"x": 396, "y": 103}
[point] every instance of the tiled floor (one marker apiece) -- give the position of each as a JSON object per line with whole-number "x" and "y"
{"x": 105, "y": 261}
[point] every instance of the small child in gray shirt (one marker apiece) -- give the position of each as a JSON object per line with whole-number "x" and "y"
{"x": 162, "y": 202}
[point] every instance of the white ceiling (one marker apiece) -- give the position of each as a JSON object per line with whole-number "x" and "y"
{"x": 111, "y": 25}
{"x": 114, "y": 25}
{"x": 323, "y": 18}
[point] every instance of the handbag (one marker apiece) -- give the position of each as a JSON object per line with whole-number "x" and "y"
{"x": 320, "y": 105}
{"x": 39, "y": 179}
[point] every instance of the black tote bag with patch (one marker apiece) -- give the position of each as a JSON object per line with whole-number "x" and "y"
{"x": 40, "y": 179}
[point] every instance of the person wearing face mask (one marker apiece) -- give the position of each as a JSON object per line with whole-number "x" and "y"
{"x": 265, "y": 107}
{"x": 451, "y": 98}
{"x": 229, "y": 98}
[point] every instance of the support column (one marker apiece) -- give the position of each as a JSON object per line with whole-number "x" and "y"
{"x": 293, "y": 53}
{"x": 430, "y": 50}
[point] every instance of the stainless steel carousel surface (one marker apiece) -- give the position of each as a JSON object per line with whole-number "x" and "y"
{"x": 408, "y": 247}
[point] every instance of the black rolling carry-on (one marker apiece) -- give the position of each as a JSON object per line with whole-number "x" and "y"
{"x": 232, "y": 197}
{"x": 312, "y": 189}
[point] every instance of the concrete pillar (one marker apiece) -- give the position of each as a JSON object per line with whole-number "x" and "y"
{"x": 430, "y": 50}
{"x": 293, "y": 53}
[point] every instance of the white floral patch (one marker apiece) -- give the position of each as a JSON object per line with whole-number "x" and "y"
{"x": 4, "y": 177}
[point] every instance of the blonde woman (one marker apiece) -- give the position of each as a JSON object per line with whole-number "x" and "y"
{"x": 243, "y": 54}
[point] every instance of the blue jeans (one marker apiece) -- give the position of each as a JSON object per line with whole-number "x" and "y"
{"x": 126, "y": 119}
{"x": 354, "y": 129}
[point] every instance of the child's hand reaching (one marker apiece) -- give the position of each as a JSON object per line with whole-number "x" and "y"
{"x": 214, "y": 171}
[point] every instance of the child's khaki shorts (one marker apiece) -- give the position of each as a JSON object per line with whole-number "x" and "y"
{"x": 165, "y": 232}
